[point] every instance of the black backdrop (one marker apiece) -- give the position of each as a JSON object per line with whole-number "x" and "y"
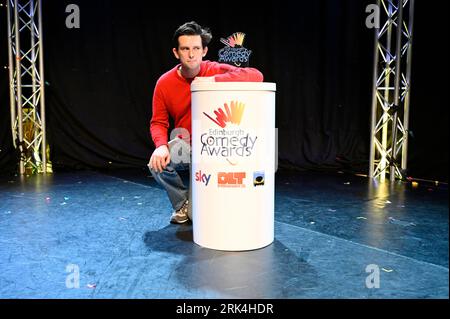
{"x": 320, "y": 53}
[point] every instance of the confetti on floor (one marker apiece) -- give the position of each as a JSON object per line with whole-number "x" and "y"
{"x": 400, "y": 222}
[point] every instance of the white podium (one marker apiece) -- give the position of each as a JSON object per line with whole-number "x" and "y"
{"x": 233, "y": 164}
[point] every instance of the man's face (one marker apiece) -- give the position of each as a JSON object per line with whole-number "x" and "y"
{"x": 190, "y": 51}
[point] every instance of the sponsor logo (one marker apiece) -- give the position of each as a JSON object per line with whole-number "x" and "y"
{"x": 231, "y": 179}
{"x": 202, "y": 177}
{"x": 258, "y": 178}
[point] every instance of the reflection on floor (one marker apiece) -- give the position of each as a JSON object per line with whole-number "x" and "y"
{"x": 94, "y": 235}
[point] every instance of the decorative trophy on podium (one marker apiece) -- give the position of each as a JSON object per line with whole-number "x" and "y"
{"x": 234, "y": 52}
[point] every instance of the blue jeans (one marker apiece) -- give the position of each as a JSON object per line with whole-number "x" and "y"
{"x": 172, "y": 182}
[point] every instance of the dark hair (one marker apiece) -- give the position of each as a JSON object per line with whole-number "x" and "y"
{"x": 192, "y": 28}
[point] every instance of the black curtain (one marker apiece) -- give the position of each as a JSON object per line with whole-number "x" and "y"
{"x": 7, "y": 152}
{"x": 100, "y": 79}
{"x": 428, "y": 150}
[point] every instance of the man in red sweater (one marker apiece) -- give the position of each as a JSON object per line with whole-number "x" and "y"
{"x": 172, "y": 98}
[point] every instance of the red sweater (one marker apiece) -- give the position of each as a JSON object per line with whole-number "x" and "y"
{"x": 172, "y": 95}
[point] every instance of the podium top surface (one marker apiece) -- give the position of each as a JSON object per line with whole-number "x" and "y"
{"x": 233, "y": 86}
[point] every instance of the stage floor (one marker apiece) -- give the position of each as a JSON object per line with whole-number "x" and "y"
{"x": 95, "y": 235}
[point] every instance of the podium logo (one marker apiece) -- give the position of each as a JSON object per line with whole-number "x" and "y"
{"x": 233, "y": 179}
{"x": 230, "y": 143}
{"x": 228, "y": 114}
{"x": 203, "y": 178}
{"x": 258, "y": 178}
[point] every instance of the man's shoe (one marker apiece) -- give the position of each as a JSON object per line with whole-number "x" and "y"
{"x": 180, "y": 216}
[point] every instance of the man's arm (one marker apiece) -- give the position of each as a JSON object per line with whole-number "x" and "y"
{"x": 159, "y": 123}
{"x": 227, "y": 73}
{"x": 159, "y": 126}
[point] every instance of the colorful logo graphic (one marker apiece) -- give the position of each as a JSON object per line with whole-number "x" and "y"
{"x": 230, "y": 143}
{"x": 236, "y": 38}
{"x": 230, "y": 179}
{"x": 203, "y": 178}
{"x": 234, "y": 52}
{"x": 258, "y": 178}
{"x": 232, "y": 114}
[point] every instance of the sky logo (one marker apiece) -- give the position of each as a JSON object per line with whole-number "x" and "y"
{"x": 203, "y": 178}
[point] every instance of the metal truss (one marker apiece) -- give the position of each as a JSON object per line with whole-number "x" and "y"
{"x": 26, "y": 83}
{"x": 391, "y": 89}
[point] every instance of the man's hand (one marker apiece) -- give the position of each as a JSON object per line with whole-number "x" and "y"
{"x": 160, "y": 158}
